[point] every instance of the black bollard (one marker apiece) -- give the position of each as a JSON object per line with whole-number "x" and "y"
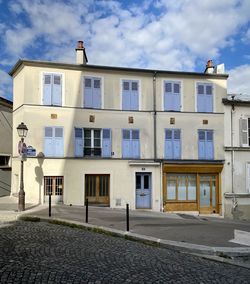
{"x": 50, "y": 205}
{"x": 127, "y": 215}
{"x": 87, "y": 210}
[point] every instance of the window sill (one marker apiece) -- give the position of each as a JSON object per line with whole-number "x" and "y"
{"x": 238, "y": 195}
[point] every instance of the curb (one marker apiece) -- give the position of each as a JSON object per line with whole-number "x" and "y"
{"x": 222, "y": 254}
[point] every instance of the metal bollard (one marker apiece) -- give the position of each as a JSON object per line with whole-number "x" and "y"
{"x": 87, "y": 210}
{"x": 127, "y": 215}
{"x": 50, "y": 205}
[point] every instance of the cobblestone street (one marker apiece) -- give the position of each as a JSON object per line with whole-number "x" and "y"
{"x": 46, "y": 253}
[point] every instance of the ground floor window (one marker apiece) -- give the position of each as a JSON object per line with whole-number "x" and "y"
{"x": 181, "y": 187}
{"x": 53, "y": 185}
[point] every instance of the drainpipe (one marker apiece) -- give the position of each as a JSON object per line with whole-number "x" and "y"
{"x": 154, "y": 109}
{"x": 235, "y": 204}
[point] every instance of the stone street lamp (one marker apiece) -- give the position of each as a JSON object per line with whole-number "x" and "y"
{"x": 22, "y": 131}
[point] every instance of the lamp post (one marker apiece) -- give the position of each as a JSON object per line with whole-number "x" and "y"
{"x": 22, "y": 131}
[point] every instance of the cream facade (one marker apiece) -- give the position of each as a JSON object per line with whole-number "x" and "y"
{"x": 237, "y": 157}
{"x": 153, "y": 139}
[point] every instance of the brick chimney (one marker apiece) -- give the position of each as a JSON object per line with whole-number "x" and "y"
{"x": 81, "y": 57}
{"x": 209, "y": 67}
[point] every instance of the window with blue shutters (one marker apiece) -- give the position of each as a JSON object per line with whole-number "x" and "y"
{"x": 204, "y": 97}
{"x": 93, "y": 142}
{"x": 172, "y": 96}
{"x": 206, "y": 144}
{"x": 130, "y": 95}
{"x": 172, "y": 143}
{"x": 130, "y": 143}
{"x": 52, "y": 89}
{"x": 92, "y": 92}
{"x": 53, "y": 142}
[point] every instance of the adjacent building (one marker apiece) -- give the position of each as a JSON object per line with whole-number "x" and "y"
{"x": 237, "y": 156}
{"x": 150, "y": 138}
{"x": 5, "y": 146}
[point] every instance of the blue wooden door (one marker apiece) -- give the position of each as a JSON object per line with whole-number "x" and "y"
{"x": 143, "y": 190}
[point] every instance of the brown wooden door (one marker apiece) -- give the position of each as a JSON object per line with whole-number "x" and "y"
{"x": 208, "y": 194}
{"x": 97, "y": 189}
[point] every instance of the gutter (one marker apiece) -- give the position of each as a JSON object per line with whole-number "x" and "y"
{"x": 155, "y": 115}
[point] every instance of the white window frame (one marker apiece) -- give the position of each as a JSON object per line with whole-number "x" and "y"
{"x": 63, "y": 86}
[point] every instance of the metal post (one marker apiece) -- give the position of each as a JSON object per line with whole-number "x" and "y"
{"x": 50, "y": 204}
{"x": 87, "y": 210}
{"x": 127, "y": 215}
{"x": 21, "y": 194}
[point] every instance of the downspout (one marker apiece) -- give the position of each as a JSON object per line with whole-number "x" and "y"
{"x": 155, "y": 114}
{"x": 235, "y": 204}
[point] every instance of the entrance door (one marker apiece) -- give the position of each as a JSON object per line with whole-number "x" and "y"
{"x": 97, "y": 189}
{"x": 143, "y": 190}
{"x": 53, "y": 185}
{"x": 208, "y": 196}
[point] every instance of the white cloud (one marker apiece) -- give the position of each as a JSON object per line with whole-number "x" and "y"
{"x": 238, "y": 81}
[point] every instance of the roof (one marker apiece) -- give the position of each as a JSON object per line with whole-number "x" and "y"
{"x": 6, "y": 103}
{"x": 237, "y": 99}
{"x": 80, "y": 67}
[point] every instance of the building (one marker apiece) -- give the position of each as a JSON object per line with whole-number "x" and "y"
{"x": 237, "y": 156}
{"x": 5, "y": 146}
{"x": 150, "y": 138}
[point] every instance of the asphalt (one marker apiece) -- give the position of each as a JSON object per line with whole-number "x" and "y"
{"x": 211, "y": 236}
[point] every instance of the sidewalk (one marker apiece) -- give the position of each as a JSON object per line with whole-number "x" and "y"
{"x": 196, "y": 234}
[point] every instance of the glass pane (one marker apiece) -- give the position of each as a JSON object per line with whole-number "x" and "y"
{"x": 168, "y": 87}
{"x": 182, "y": 188}
{"x": 125, "y": 86}
{"x": 134, "y": 86}
{"x": 168, "y": 135}
{"x": 176, "y": 88}
{"x": 209, "y": 135}
{"x": 135, "y": 134}
{"x": 87, "y": 133}
{"x": 146, "y": 182}
{"x": 97, "y": 133}
{"x": 213, "y": 194}
{"x": 57, "y": 79}
{"x": 205, "y": 194}
{"x": 177, "y": 134}
{"x": 200, "y": 89}
{"x": 78, "y": 132}
{"x": 126, "y": 134}
{"x": 48, "y": 131}
{"x": 138, "y": 181}
{"x": 106, "y": 133}
{"x": 202, "y": 135}
{"x": 171, "y": 189}
{"x": 191, "y": 188}
{"x": 97, "y": 84}
{"x": 87, "y": 142}
{"x": 97, "y": 142}
{"x": 47, "y": 79}
{"x": 87, "y": 83}
{"x": 58, "y": 132}
{"x": 209, "y": 89}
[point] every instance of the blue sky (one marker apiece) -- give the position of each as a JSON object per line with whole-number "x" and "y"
{"x": 164, "y": 34}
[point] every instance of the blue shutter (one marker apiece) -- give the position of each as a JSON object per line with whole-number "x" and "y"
{"x": 134, "y": 96}
{"x": 47, "y": 89}
{"x": 135, "y": 144}
{"x": 201, "y": 102}
{"x": 106, "y": 142}
{"x": 209, "y": 98}
{"x": 126, "y": 97}
{"x": 96, "y": 93}
{"x": 78, "y": 142}
{"x": 176, "y": 96}
{"x": 126, "y": 152}
{"x": 48, "y": 142}
{"x": 168, "y": 100}
{"x": 58, "y": 140}
{"x": 88, "y": 92}
{"x": 201, "y": 144}
{"x": 57, "y": 90}
{"x": 168, "y": 144}
{"x": 209, "y": 145}
{"x": 177, "y": 143}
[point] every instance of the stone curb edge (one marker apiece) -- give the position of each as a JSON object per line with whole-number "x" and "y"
{"x": 222, "y": 254}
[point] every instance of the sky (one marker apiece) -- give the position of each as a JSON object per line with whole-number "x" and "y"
{"x": 177, "y": 35}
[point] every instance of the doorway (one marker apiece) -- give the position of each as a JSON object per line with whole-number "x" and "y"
{"x": 208, "y": 194}
{"x": 143, "y": 190}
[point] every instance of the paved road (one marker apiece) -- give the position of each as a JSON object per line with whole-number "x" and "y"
{"x": 46, "y": 253}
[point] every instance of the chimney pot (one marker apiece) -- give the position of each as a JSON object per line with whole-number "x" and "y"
{"x": 209, "y": 63}
{"x": 80, "y": 44}
{"x": 81, "y": 57}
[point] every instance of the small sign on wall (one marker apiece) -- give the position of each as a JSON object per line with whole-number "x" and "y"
{"x": 53, "y": 116}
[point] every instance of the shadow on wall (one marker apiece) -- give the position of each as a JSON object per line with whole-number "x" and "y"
{"x": 5, "y": 183}
{"x": 39, "y": 174}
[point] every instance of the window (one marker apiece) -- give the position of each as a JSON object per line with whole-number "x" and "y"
{"x": 52, "y": 89}
{"x": 53, "y": 142}
{"x": 130, "y": 143}
{"x": 53, "y": 185}
{"x": 92, "y": 142}
{"x": 172, "y": 143}
{"x": 244, "y": 132}
{"x": 172, "y": 99}
{"x": 181, "y": 187}
{"x": 206, "y": 144}
{"x": 130, "y": 95}
{"x": 92, "y": 92}
{"x": 204, "y": 97}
